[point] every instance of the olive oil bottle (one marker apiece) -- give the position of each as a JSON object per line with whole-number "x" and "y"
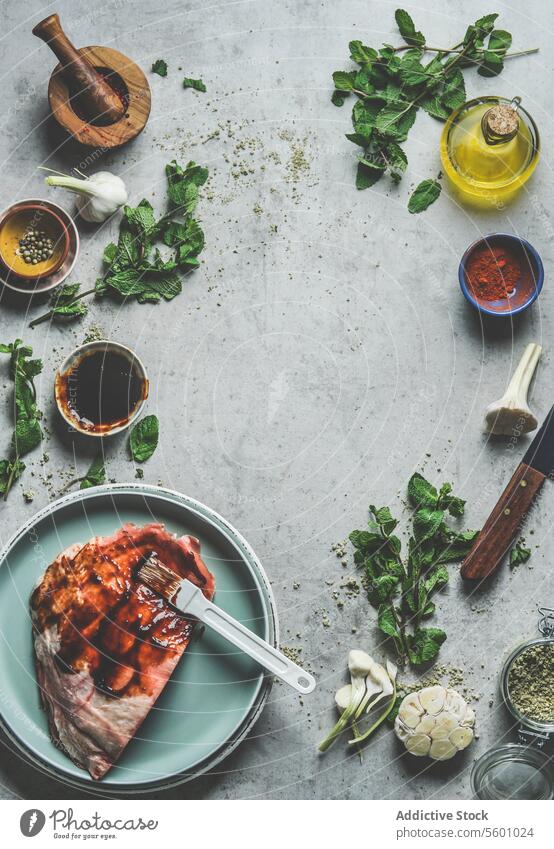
{"x": 489, "y": 149}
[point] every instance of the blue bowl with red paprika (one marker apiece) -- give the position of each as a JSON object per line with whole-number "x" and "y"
{"x": 501, "y": 275}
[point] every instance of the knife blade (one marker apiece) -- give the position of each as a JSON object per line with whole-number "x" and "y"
{"x": 508, "y": 516}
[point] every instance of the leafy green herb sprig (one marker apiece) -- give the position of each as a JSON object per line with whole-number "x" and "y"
{"x": 95, "y": 476}
{"x": 27, "y": 433}
{"x": 135, "y": 267}
{"x": 391, "y": 87}
{"x": 401, "y": 589}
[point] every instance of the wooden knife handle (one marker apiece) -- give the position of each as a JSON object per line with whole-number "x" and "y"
{"x": 98, "y": 97}
{"x": 504, "y": 524}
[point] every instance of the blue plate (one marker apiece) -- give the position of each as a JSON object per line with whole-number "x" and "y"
{"x": 215, "y": 694}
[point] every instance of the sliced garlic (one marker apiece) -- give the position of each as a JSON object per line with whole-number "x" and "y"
{"x": 426, "y": 725}
{"x": 461, "y": 737}
{"x": 419, "y": 745}
{"x": 442, "y": 750}
{"x": 432, "y": 699}
{"x": 411, "y": 717}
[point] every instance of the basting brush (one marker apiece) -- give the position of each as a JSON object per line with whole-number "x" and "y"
{"x": 188, "y": 599}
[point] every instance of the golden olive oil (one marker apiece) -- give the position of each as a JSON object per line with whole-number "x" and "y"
{"x": 489, "y": 149}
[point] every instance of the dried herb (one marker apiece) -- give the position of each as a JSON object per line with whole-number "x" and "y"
{"x": 390, "y": 88}
{"x": 135, "y": 267}
{"x": 401, "y": 589}
{"x": 27, "y": 433}
{"x": 531, "y": 682}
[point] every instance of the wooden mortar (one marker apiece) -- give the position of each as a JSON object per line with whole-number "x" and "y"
{"x": 77, "y": 76}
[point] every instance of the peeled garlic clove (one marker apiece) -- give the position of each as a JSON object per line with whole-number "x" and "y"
{"x": 419, "y": 745}
{"x": 432, "y": 699}
{"x": 442, "y": 750}
{"x": 461, "y": 737}
{"x": 343, "y": 697}
{"x": 426, "y": 725}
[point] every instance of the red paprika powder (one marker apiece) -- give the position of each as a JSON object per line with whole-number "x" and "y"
{"x": 492, "y": 272}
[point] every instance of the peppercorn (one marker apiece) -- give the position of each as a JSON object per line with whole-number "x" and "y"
{"x": 35, "y": 246}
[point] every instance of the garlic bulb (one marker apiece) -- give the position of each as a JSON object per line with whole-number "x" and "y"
{"x": 435, "y": 722}
{"x": 98, "y": 196}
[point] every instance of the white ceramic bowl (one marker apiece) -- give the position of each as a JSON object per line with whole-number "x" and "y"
{"x": 71, "y": 361}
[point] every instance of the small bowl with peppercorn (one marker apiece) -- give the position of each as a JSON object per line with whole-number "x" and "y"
{"x": 501, "y": 275}
{"x": 34, "y": 241}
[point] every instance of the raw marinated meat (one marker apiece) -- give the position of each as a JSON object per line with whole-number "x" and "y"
{"x": 105, "y": 644}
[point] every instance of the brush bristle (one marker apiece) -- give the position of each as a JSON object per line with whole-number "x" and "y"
{"x": 159, "y": 578}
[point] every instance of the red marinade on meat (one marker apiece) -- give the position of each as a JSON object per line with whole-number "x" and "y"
{"x": 105, "y": 644}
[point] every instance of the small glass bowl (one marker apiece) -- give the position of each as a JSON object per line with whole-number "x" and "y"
{"x": 517, "y": 770}
{"x": 526, "y": 721}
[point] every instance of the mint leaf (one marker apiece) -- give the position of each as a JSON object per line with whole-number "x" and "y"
{"x": 421, "y": 493}
{"x": 396, "y": 120}
{"x": 367, "y": 176}
{"x": 96, "y": 474}
{"x": 386, "y": 621}
{"x": 344, "y": 80}
{"x": 143, "y": 440}
{"x": 424, "y": 195}
{"x": 182, "y": 185}
{"x": 407, "y": 28}
{"x": 160, "y": 67}
{"x": 198, "y": 85}
{"x": 361, "y": 54}
{"x": 425, "y": 644}
{"x": 519, "y": 554}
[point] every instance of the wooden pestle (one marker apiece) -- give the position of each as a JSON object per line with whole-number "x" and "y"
{"x": 98, "y": 98}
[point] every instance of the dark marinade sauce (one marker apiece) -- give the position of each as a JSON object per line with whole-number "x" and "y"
{"x": 103, "y": 388}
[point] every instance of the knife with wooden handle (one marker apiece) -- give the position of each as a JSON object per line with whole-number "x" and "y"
{"x": 506, "y": 520}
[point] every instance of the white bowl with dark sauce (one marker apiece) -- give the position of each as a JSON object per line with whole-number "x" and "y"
{"x": 101, "y": 388}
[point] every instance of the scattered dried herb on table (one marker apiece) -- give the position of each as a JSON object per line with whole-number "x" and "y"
{"x": 401, "y": 589}
{"x": 531, "y": 682}
{"x": 391, "y": 88}
{"x": 135, "y": 267}
{"x": 27, "y": 433}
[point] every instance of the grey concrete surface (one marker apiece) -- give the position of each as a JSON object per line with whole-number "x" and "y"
{"x": 320, "y": 355}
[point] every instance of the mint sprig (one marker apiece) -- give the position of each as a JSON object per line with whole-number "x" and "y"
{"x": 401, "y": 589}
{"x": 135, "y": 267}
{"x": 392, "y": 83}
{"x": 27, "y": 433}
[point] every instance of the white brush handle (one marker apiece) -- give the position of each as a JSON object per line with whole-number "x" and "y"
{"x": 191, "y": 600}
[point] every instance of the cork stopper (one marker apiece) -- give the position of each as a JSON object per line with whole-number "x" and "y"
{"x": 500, "y": 123}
